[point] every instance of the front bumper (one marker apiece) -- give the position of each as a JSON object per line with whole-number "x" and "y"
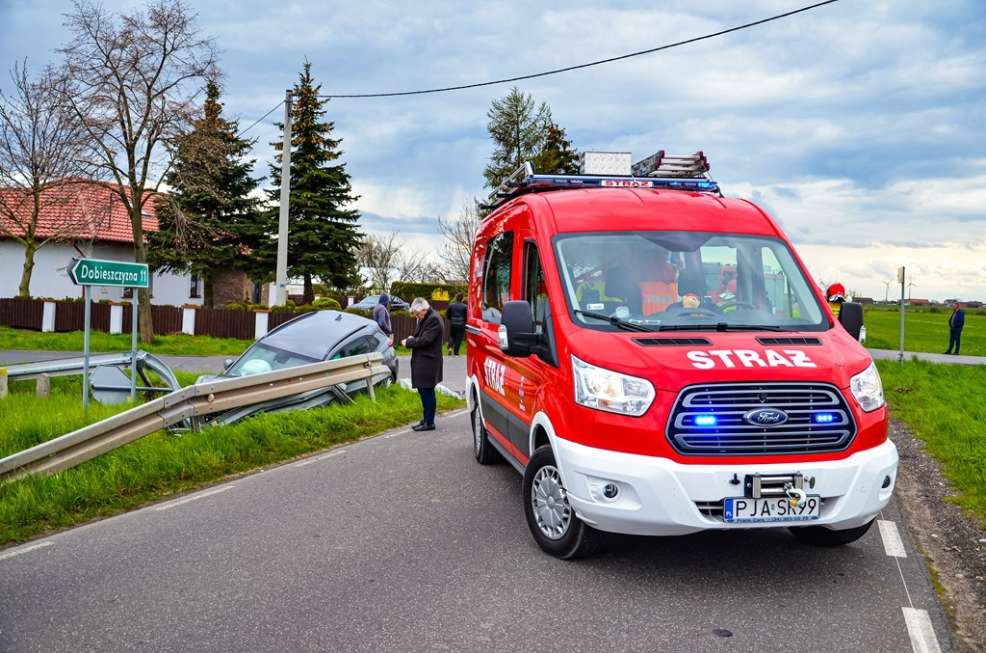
{"x": 658, "y": 496}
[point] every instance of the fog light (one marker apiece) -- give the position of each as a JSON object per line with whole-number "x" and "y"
{"x": 886, "y": 482}
{"x": 610, "y": 491}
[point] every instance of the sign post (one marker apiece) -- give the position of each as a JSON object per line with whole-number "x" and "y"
{"x": 89, "y": 272}
{"x": 900, "y": 278}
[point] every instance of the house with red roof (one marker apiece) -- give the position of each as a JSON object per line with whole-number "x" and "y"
{"x": 79, "y": 218}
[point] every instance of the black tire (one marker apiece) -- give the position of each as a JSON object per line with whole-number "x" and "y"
{"x": 575, "y": 540}
{"x": 485, "y": 453}
{"x": 821, "y": 536}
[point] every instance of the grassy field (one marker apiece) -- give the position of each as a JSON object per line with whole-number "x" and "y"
{"x": 163, "y": 464}
{"x": 923, "y": 331}
{"x": 944, "y": 406}
{"x": 178, "y": 345}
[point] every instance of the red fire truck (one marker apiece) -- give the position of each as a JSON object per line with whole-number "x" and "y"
{"x": 654, "y": 359}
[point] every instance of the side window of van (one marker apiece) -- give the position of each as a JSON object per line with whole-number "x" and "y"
{"x": 496, "y": 283}
{"x": 535, "y": 291}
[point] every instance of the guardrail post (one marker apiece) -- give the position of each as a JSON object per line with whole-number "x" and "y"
{"x": 43, "y": 385}
{"x": 48, "y": 317}
{"x": 3, "y": 382}
{"x": 188, "y": 320}
{"x": 261, "y": 322}
{"x": 370, "y": 390}
{"x": 116, "y": 318}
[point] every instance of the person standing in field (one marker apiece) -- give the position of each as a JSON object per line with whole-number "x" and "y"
{"x": 426, "y": 359}
{"x": 456, "y": 314}
{"x": 955, "y": 323}
{"x": 381, "y": 315}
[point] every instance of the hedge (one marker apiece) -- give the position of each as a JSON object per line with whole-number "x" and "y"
{"x": 438, "y": 291}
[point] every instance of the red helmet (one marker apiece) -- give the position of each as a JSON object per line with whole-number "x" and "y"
{"x": 836, "y": 293}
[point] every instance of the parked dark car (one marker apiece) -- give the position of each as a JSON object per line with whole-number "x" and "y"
{"x": 369, "y": 302}
{"x": 311, "y": 338}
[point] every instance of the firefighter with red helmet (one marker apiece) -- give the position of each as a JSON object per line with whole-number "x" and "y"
{"x": 835, "y": 294}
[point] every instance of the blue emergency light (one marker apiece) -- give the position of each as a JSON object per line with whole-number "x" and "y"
{"x": 706, "y": 420}
{"x": 823, "y": 418}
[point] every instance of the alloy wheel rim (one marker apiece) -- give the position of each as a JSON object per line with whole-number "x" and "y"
{"x": 552, "y": 512}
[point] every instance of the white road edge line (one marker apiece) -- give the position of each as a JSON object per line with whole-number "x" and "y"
{"x": 921, "y": 630}
{"x": 25, "y": 549}
{"x": 316, "y": 459}
{"x": 194, "y": 497}
{"x": 892, "y": 543}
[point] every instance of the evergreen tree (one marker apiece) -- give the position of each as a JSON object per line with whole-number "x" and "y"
{"x": 557, "y": 156}
{"x": 323, "y": 237}
{"x": 518, "y": 130}
{"x": 209, "y": 221}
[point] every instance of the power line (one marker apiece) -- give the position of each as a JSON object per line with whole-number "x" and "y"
{"x": 258, "y": 120}
{"x": 555, "y": 71}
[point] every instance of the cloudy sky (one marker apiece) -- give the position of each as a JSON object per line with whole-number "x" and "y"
{"x": 861, "y": 125}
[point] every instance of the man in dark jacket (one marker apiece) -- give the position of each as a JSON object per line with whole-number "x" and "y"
{"x": 426, "y": 359}
{"x": 456, "y": 314}
{"x": 381, "y": 315}
{"x": 955, "y": 324}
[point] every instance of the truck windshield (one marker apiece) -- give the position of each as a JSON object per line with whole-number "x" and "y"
{"x": 684, "y": 280}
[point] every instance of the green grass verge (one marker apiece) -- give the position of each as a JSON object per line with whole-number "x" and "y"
{"x": 161, "y": 464}
{"x": 923, "y": 331}
{"x": 943, "y": 406}
{"x": 177, "y": 345}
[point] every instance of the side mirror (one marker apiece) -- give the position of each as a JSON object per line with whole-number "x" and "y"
{"x": 517, "y": 336}
{"x": 227, "y": 364}
{"x": 851, "y": 318}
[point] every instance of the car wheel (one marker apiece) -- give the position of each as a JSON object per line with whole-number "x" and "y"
{"x": 483, "y": 450}
{"x": 821, "y": 536}
{"x": 552, "y": 520}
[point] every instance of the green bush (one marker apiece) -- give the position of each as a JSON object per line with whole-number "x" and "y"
{"x": 327, "y": 303}
{"x": 236, "y": 307}
{"x": 359, "y": 311}
{"x": 408, "y": 291}
{"x": 288, "y": 307}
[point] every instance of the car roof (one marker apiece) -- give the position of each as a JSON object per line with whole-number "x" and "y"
{"x": 315, "y": 334}
{"x": 621, "y": 209}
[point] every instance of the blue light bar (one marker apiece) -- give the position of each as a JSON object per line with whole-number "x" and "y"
{"x": 823, "y": 418}
{"x": 706, "y": 420}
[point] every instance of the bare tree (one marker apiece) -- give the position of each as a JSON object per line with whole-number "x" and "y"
{"x": 415, "y": 267}
{"x": 134, "y": 80}
{"x": 458, "y": 233}
{"x": 379, "y": 255}
{"x": 41, "y": 148}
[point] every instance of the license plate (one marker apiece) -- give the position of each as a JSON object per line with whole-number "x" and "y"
{"x": 741, "y": 509}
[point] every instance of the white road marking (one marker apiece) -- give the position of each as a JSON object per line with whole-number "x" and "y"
{"x": 395, "y": 434}
{"x": 25, "y": 549}
{"x": 921, "y": 630}
{"x": 892, "y": 543}
{"x": 316, "y": 459}
{"x": 194, "y": 497}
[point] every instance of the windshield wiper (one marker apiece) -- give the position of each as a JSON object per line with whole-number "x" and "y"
{"x": 721, "y": 326}
{"x": 615, "y": 321}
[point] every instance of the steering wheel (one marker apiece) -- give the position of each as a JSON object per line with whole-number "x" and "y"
{"x": 735, "y": 304}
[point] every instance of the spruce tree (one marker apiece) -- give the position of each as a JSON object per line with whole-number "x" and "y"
{"x": 209, "y": 221}
{"x": 323, "y": 236}
{"x": 557, "y": 156}
{"x": 518, "y": 130}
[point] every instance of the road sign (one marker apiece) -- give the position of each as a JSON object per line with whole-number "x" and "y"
{"x": 98, "y": 272}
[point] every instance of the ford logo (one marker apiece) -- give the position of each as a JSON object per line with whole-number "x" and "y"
{"x": 765, "y": 417}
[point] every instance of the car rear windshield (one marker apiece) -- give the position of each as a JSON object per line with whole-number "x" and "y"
{"x": 682, "y": 280}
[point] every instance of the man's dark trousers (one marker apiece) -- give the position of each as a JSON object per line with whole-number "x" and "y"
{"x": 954, "y": 340}
{"x": 428, "y": 405}
{"x": 456, "y": 334}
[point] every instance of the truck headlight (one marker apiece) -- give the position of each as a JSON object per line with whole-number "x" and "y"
{"x": 868, "y": 388}
{"x": 603, "y": 389}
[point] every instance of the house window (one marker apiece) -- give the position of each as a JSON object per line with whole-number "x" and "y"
{"x": 195, "y": 284}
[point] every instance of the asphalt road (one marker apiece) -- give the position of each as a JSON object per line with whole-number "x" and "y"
{"x": 404, "y": 543}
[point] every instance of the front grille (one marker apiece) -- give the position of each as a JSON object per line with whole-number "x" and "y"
{"x": 732, "y": 434}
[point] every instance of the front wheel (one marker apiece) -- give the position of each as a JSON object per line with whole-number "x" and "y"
{"x": 821, "y": 536}
{"x": 553, "y": 523}
{"x": 483, "y": 450}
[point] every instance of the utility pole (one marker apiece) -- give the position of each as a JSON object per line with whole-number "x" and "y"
{"x": 901, "y": 278}
{"x": 281, "y": 290}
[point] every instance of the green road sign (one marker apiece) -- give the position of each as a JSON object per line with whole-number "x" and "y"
{"x": 97, "y": 272}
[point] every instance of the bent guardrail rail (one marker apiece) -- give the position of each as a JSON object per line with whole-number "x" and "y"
{"x": 189, "y": 403}
{"x": 74, "y": 365}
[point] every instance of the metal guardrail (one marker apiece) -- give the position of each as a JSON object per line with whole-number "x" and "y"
{"x": 189, "y": 403}
{"x": 74, "y": 365}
